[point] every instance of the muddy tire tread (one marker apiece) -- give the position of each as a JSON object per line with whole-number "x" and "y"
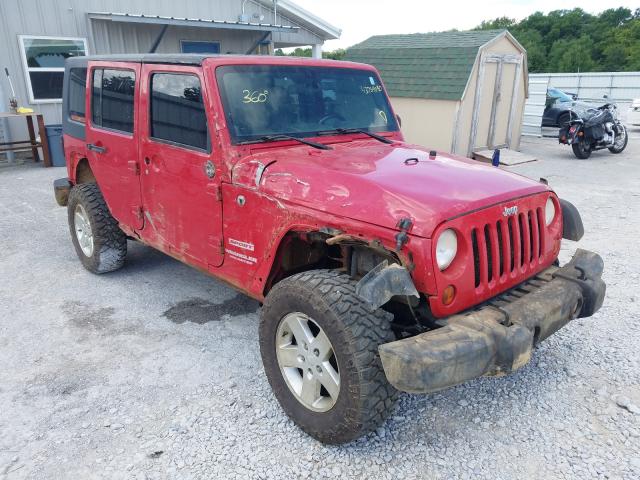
{"x": 364, "y": 330}
{"x": 110, "y": 242}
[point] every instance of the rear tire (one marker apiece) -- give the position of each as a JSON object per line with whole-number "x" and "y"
{"x": 326, "y": 303}
{"x": 581, "y": 150}
{"x": 620, "y": 148}
{"x": 100, "y": 244}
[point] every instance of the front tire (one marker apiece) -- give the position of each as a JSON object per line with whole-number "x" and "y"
{"x": 319, "y": 345}
{"x": 621, "y": 143}
{"x": 581, "y": 150}
{"x": 100, "y": 244}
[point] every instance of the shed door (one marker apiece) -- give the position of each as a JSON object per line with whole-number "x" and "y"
{"x": 495, "y": 106}
{"x": 502, "y": 103}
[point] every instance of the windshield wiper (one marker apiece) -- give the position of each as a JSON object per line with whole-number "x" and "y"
{"x": 380, "y": 138}
{"x": 275, "y": 138}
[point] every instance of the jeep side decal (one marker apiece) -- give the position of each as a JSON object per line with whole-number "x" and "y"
{"x": 241, "y": 244}
{"x": 241, "y": 257}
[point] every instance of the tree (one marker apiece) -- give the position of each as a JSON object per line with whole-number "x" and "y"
{"x": 615, "y": 17}
{"x": 335, "y": 54}
{"x": 572, "y": 40}
{"x": 501, "y": 23}
{"x": 532, "y": 41}
{"x": 573, "y": 55}
{"x": 626, "y": 45}
{"x": 307, "y": 52}
{"x": 301, "y": 52}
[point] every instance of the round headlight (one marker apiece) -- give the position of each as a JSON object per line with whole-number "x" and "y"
{"x": 549, "y": 212}
{"x": 446, "y": 248}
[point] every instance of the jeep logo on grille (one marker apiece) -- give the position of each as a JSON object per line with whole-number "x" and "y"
{"x": 508, "y": 211}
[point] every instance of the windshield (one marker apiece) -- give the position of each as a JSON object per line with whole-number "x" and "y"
{"x": 559, "y": 95}
{"x": 301, "y": 101}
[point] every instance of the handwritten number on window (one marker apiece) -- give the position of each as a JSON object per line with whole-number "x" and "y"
{"x": 254, "y": 96}
{"x": 367, "y": 90}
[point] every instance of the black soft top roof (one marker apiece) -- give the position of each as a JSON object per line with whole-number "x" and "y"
{"x": 173, "y": 58}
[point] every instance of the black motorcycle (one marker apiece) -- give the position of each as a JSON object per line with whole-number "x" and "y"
{"x": 595, "y": 129}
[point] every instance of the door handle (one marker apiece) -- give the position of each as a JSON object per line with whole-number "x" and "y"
{"x": 147, "y": 161}
{"x": 96, "y": 148}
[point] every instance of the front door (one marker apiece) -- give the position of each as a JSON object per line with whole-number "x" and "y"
{"x": 111, "y": 138}
{"x": 182, "y": 204}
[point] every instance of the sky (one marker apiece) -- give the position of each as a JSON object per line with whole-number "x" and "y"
{"x": 360, "y": 19}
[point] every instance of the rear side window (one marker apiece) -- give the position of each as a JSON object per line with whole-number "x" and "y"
{"x": 177, "y": 110}
{"x": 112, "y": 97}
{"x": 77, "y": 91}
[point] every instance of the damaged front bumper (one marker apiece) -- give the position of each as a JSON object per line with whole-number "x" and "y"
{"x": 497, "y": 338}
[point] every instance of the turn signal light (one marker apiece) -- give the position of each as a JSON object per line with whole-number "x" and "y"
{"x": 448, "y": 295}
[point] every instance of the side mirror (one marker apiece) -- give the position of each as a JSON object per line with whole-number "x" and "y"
{"x": 574, "y": 96}
{"x": 605, "y": 96}
{"x": 399, "y": 120}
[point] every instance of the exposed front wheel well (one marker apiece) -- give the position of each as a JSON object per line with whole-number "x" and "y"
{"x": 299, "y": 252}
{"x": 354, "y": 256}
{"x": 302, "y": 251}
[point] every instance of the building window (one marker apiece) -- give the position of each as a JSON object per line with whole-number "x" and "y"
{"x": 189, "y": 46}
{"x": 43, "y": 59}
{"x": 177, "y": 110}
{"x": 112, "y": 97}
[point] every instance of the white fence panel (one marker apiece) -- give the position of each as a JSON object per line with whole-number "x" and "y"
{"x": 620, "y": 87}
{"x": 534, "y": 107}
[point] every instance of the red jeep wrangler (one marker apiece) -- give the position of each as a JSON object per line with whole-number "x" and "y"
{"x": 381, "y": 266}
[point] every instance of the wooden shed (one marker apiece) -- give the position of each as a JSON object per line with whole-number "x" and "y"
{"x": 461, "y": 92}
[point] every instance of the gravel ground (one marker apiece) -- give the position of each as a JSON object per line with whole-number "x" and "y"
{"x": 154, "y": 371}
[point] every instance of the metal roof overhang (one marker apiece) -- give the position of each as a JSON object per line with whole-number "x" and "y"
{"x": 305, "y": 18}
{"x": 190, "y": 22}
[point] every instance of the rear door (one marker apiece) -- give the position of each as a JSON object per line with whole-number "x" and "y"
{"x": 111, "y": 137}
{"x": 180, "y": 179}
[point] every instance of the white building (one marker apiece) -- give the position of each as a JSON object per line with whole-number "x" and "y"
{"x": 37, "y": 35}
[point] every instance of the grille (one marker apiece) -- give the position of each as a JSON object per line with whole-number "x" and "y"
{"x": 510, "y": 245}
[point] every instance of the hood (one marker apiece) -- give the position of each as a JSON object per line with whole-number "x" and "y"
{"x": 380, "y": 184}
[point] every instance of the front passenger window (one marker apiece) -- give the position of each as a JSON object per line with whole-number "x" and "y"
{"x": 177, "y": 110}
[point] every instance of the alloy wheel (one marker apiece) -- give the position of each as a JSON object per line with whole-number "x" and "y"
{"x": 84, "y": 234}
{"x": 620, "y": 139}
{"x": 308, "y": 362}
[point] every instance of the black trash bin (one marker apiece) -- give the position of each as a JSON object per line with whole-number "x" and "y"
{"x": 56, "y": 152}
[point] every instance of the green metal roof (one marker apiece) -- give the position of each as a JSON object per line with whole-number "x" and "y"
{"x": 423, "y": 65}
